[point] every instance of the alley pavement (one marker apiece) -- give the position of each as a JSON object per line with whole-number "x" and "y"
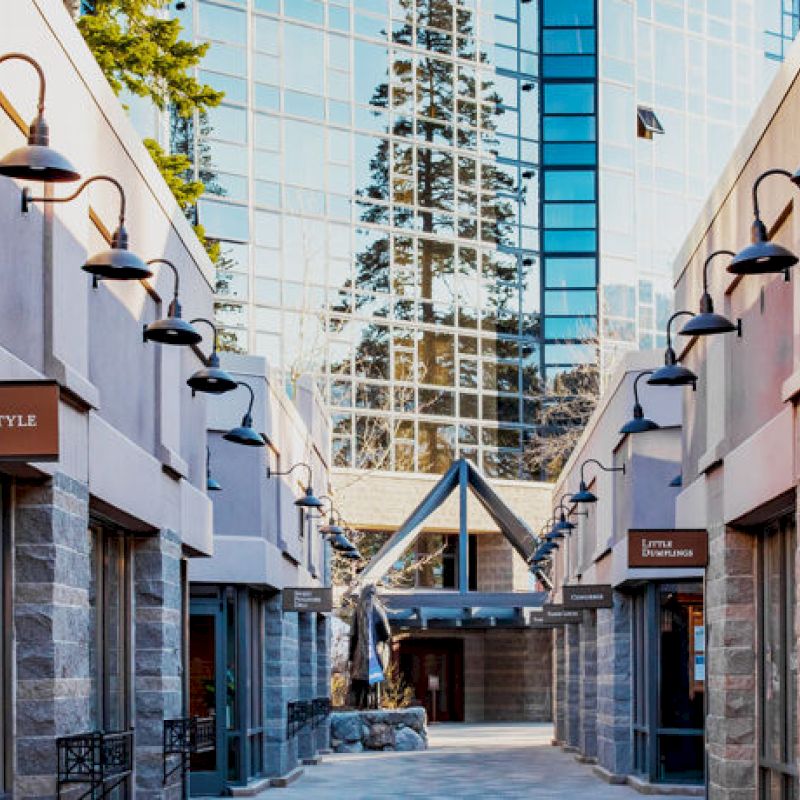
{"x": 463, "y": 761}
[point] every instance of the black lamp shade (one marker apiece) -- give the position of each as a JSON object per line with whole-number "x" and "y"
{"x": 213, "y": 485}
{"x": 308, "y": 500}
{"x": 353, "y": 555}
{"x": 212, "y": 379}
{"x": 672, "y": 375}
{"x": 117, "y": 264}
{"x": 172, "y": 330}
{"x": 37, "y": 161}
{"x": 760, "y": 258}
{"x": 639, "y": 425}
{"x": 245, "y": 434}
{"x": 564, "y": 525}
{"x": 332, "y": 529}
{"x": 583, "y": 495}
{"x": 677, "y": 481}
{"x": 707, "y": 324}
{"x": 341, "y": 543}
{"x": 554, "y": 534}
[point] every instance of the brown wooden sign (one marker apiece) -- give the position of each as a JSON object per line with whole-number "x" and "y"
{"x": 587, "y": 596}
{"x": 302, "y": 599}
{"x": 29, "y": 420}
{"x": 558, "y": 615}
{"x": 537, "y": 620}
{"x": 667, "y": 548}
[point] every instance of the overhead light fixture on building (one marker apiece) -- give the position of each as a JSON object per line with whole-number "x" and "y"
{"x": 212, "y": 484}
{"x": 174, "y": 329}
{"x": 677, "y": 481}
{"x": 117, "y": 263}
{"x": 36, "y": 161}
{"x": 764, "y": 256}
{"x": 647, "y": 123}
{"x": 639, "y": 423}
{"x": 245, "y": 433}
{"x": 706, "y": 322}
{"x": 672, "y": 373}
{"x": 308, "y": 500}
{"x": 583, "y": 495}
{"x": 211, "y": 379}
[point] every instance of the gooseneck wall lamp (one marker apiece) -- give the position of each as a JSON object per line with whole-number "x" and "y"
{"x": 174, "y": 329}
{"x": 36, "y": 161}
{"x": 672, "y": 373}
{"x": 563, "y": 524}
{"x": 583, "y": 495}
{"x": 707, "y": 322}
{"x": 212, "y": 379}
{"x": 245, "y": 433}
{"x": 212, "y": 484}
{"x": 117, "y": 263}
{"x": 308, "y": 500}
{"x": 764, "y": 256}
{"x": 639, "y": 423}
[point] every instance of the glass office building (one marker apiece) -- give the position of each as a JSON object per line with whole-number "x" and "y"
{"x": 427, "y": 202}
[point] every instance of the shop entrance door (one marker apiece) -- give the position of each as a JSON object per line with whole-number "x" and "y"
{"x": 434, "y": 668}
{"x": 207, "y": 689}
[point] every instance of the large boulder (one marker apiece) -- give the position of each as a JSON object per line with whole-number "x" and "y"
{"x": 407, "y": 739}
{"x": 346, "y": 726}
{"x": 380, "y": 737}
{"x": 350, "y": 747}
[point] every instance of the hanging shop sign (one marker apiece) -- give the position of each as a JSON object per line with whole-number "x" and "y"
{"x": 667, "y": 548}
{"x": 558, "y": 615}
{"x": 29, "y": 420}
{"x": 587, "y": 596}
{"x": 537, "y": 620}
{"x": 303, "y": 599}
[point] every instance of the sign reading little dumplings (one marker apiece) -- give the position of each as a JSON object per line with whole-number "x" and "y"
{"x": 29, "y": 420}
{"x": 667, "y": 548}
{"x": 587, "y": 596}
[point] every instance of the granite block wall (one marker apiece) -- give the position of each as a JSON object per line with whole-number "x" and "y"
{"x": 587, "y": 738}
{"x": 559, "y": 685}
{"x": 323, "y": 683}
{"x": 572, "y": 665}
{"x": 306, "y": 677}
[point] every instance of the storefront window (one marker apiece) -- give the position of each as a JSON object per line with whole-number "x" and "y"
{"x": 777, "y": 662}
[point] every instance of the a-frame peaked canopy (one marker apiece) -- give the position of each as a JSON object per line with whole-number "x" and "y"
{"x": 464, "y": 476}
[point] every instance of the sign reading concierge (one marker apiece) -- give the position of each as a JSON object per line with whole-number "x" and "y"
{"x": 587, "y": 596}
{"x": 667, "y": 548}
{"x": 29, "y": 420}
{"x": 307, "y": 599}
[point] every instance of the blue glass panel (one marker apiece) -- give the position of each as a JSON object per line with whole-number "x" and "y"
{"x": 270, "y": 6}
{"x": 566, "y": 328}
{"x": 570, "y": 302}
{"x": 223, "y": 220}
{"x": 570, "y": 354}
{"x": 569, "y": 67}
{"x": 266, "y": 96}
{"x": 569, "y": 40}
{"x": 339, "y": 18}
{"x": 373, "y": 27}
{"x": 578, "y": 154}
{"x": 304, "y": 105}
{"x": 568, "y": 12}
{"x": 569, "y": 185}
{"x": 569, "y": 129}
{"x": 235, "y": 88}
{"x": 569, "y": 272}
{"x": 570, "y": 215}
{"x": 306, "y": 10}
{"x": 570, "y": 241}
{"x": 569, "y": 98}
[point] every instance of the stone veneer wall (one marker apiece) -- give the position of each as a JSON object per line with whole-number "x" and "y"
{"x": 158, "y": 647}
{"x": 54, "y": 625}
{"x": 474, "y": 677}
{"x": 587, "y": 740}
{"x": 559, "y": 685}
{"x": 572, "y": 667}
{"x": 323, "y": 676}
{"x": 614, "y": 702}
{"x": 401, "y": 729}
{"x": 307, "y": 678}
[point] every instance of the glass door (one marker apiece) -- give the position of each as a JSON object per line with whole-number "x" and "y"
{"x": 206, "y": 674}
{"x": 777, "y": 662}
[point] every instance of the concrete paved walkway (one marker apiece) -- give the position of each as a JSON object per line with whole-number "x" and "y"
{"x": 464, "y": 762}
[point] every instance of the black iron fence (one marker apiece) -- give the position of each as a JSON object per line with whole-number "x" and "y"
{"x": 185, "y": 736}
{"x": 101, "y": 760}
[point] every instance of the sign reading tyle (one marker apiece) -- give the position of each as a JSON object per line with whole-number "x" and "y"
{"x": 587, "y": 596}
{"x": 300, "y": 599}
{"x": 558, "y": 615}
{"x": 667, "y": 548}
{"x": 29, "y": 420}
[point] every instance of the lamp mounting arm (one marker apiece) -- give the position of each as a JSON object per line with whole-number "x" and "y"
{"x": 784, "y": 172}
{"x": 210, "y": 325}
{"x": 272, "y": 473}
{"x": 174, "y": 272}
{"x": 27, "y": 198}
{"x": 604, "y": 468}
{"x": 708, "y": 261}
{"x": 671, "y": 320}
{"x": 636, "y": 384}
{"x": 252, "y": 397}
{"x": 39, "y": 72}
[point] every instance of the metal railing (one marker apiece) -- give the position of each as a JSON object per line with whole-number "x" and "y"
{"x": 185, "y": 736}
{"x": 103, "y": 760}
